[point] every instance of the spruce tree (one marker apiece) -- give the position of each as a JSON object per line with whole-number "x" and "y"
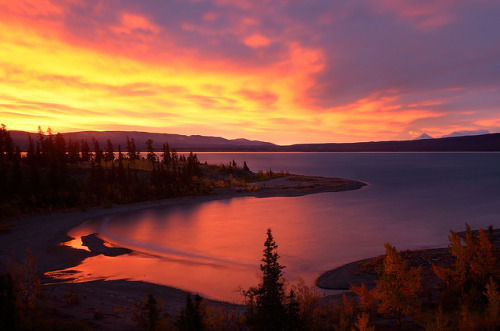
{"x": 191, "y": 318}
{"x": 110, "y": 152}
{"x": 151, "y": 152}
{"x": 270, "y": 311}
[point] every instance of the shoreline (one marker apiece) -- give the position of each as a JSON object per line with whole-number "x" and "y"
{"x": 364, "y": 271}
{"x": 44, "y": 233}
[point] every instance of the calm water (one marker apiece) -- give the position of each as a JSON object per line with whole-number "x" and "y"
{"x": 214, "y": 248}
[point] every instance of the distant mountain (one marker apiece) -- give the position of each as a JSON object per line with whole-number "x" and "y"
{"x": 481, "y": 143}
{"x": 423, "y": 136}
{"x": 177, "y": 141}
{"x": 466, "y": 133}
{"x": 197, "y": 143}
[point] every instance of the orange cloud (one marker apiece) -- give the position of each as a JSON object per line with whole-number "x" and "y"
{"x": 132, "y": 23}
{"x": 86, "y": 65}
{"x": 256, "y": 40}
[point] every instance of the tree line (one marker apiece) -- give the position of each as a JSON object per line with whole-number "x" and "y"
{"x": 59, "y": 174}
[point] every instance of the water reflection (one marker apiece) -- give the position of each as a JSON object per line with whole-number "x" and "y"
{"x": 215, "y": 248}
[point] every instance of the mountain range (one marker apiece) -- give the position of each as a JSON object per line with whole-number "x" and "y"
{"x": 462, "y": 133}
{"x": 197, "y": 143}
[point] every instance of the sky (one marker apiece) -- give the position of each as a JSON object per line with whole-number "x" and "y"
{"x": 283, "y": 71}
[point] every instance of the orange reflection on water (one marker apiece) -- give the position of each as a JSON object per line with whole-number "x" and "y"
{"x": 76, "y": 243}
{"x": 215, "y": 248}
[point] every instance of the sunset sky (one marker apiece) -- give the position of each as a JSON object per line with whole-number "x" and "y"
{"x": 282, "y": 71}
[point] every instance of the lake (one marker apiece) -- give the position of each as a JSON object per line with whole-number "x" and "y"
{"x": 412, "y": 200}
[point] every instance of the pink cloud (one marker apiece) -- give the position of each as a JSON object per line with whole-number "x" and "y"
{"x": 256, "y": 41}
{"x": 424, "y": 15}
{"x": 133, "y": 23}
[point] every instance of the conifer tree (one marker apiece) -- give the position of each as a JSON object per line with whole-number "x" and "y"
{"x": 269, "y": 311}
{"x": 60, "y": 149}
{"x": 151, "y": 153}
{"x": 245, "y": 166}
{"x": 166, "y": 155}
{"x": 120, "y": 154}
{"x": 132, "y": 150}
{"x": 147, "y": 314}
{"x": 85, "y": 151}
{"x": 110, "y": 152}
{"x": 98, "y": 154}
{"x": 192, "y": 316}
{"x": 73, "y": 151}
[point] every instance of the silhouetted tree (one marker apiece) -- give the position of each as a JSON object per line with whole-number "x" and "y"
{"x": 85, "y": 151}
{"x": 73, "y": 151}
{"x": 120, "y": 154}
{"x": 110, "y": 152}
{"x": 166, "y": 155}
{"x": 60, "y": 149}
{"x": 151, "y": 152}
{"x": 132, "y": 150}
{"x": 245, "y": 166}
{"x": 98, "y": 153}
{"x": 191, "y": 318}
{"x": 146, "y": 315}
{"x": 268, "y": 312}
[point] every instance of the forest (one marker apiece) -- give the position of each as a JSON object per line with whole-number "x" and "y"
{"x": 59, "y": 174}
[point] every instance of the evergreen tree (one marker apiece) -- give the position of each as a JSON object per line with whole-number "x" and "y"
{"x": 110, "y": 152}
{"x": 73, "y": 151}
{"x": 151, "y": 153}
{"x": 120, "y": 154}
{"x": 166, "y": 155}
{"x": 98, "y": 153}
{"x": 85, "y": 151}
{"x": 191, "y": 318}
{"x": 269, "y": 311}
{"x": 60, "y": 149}
{"x": 132, "y": 150}
{"x": 245, "y": 166}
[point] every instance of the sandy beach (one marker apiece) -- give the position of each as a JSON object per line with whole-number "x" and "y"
{"x": 107, "y": 304}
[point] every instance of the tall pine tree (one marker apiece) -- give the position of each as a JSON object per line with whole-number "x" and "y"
{"x": 268, "y": 312}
